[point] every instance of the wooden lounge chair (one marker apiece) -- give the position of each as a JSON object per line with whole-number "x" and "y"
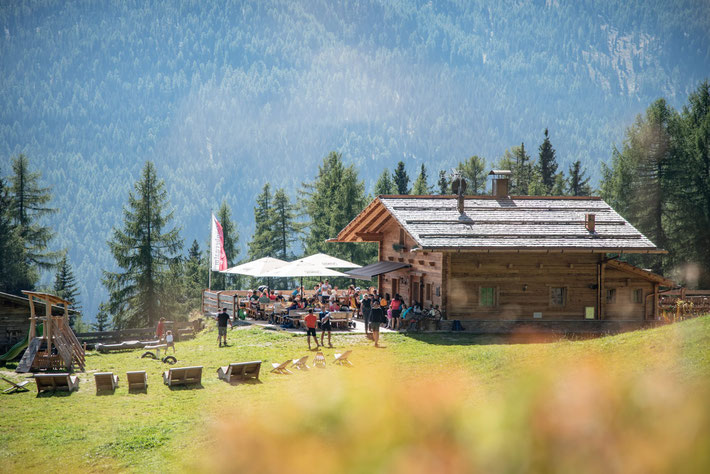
{"x": 105, "y": 381}
{"x": 240, "y": 371}
{"x": 56, "y": 382}
{"x": 319, "y": 360}
{"x": 183, "y": 376}
{"x": 137, "y": 380}
{"x": 281, "y": 368}
{"x": 16, "y": 387}
{"x": 342, "y": 359}
{"x": 300, "y": 364}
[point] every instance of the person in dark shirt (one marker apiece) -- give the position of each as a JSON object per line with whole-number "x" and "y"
{"x": 222, "y": 320}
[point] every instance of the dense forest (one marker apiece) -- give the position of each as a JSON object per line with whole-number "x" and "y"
{"x": 224, "y": 98}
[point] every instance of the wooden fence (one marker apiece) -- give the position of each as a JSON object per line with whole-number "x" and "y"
{"x": 682, "y": 304}
{"x": 214, "y": 301}
{"x": 141, "y": 334}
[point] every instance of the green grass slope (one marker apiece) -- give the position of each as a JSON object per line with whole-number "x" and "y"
{"x": 432, "y": 401}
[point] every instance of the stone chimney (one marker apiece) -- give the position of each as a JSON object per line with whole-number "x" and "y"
{"x": 589, "y": 222}
{"x": 501, "y": 180}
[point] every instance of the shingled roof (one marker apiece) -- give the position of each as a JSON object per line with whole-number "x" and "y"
{"x": 500, "y": 224}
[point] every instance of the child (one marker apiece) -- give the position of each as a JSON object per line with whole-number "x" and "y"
{"x": 169, "y": 341}
{"x": 311, "y": 321}
{"x": 325, "y": 326}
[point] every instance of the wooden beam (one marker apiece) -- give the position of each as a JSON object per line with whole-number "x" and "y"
{"x": 370, "y": 236}
{"x": 33, "y": 318}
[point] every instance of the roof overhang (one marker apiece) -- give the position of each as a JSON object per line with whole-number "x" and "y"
{"x": 640, "y": 272}
{"x": 379, "y": 268}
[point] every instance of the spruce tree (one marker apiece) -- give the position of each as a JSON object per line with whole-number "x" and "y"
{"x": 547, "y": 164}
{"x": 401, "y": 180}
{"x": 285, "y": 227}
{"x": 522, "y": 171}
{"x": 421, "y": 186}
{"x": 194, "y": 275}
{"x": 143, "y": 249}
{"x": 474, "y": 172}
{"x": 102, "y": 319}
{"x": 384, "y": 184}
{"x": 262, "y": 242}
{"x": 443, "y": 183}
{"x": 15, "y": 272}
{"x": 578, "y": 182}
{"x": 65, "y": 287}
{"x": 28, "y": 205}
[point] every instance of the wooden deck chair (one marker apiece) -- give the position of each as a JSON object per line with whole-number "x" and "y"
{"x": 16, "y": 387}
{"x": 105, "y": 381}
{"x": 56, "y": 382}
{"x": 183, "y": 376}
{"x": 319, "y": 361}
{"x": 240, "y": 371}
{"x": 137, "y": 380}
{"x": 281, "y": 368}
{"x": 300, "y": 364}
{"x": 342, "y": 359}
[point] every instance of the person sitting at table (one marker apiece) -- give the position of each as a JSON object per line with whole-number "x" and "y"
{"x": 253, "y": 299}
{"x": 333, "y": 306}
{"x": 264, "y": 298}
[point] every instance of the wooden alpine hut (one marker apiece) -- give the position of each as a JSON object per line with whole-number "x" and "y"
{"x": 496, "y": 261}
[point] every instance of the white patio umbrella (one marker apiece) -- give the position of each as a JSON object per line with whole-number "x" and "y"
{"x": 328, "y": 261}
{"x": 257, "y": 268}
{"x": 302, "y": 269}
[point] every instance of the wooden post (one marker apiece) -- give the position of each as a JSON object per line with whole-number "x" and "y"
{"x": 655, "y": 301}
{"x": 48, "y": 325}
{"x": 202, "y": 305}
{"x": 602, "y": 294}
{"x": 33, "y": 319}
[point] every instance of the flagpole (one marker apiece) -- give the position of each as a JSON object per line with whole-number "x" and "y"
{"x": 209, "y": 261}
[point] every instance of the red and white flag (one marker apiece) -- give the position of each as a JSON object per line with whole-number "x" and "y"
{"x": 217, "y": 255}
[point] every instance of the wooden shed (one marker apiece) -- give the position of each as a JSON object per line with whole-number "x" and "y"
{"x": 510, "y": 258}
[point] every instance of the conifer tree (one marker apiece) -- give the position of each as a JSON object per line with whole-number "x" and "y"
{"x": 102, "y": 319}
{"x": 262, "y": 242}
{"x": 474, "y": 172}
{"x": 384, "y": 184}
{"x": 143, "y": 249}
{"x": 285, "y": 227}
{"x": 522, "y": 171}
{"x": 65, "y": 287}
{"x": 28, "y": 205}
{"x": 15, "y": 272}
{"x": 401, "y": 180}
{"x": 421, "y": 186}
{"x": 578, "y": 182}
{"x": 195, "y": 275}
{"x": 547, "y": 164}
{"x": 443, "y": 183}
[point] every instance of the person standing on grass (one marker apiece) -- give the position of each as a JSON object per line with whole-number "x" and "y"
{"x": 366, "y": 308}
{"x": 160, "y": 330}
{"x": 311, "y": 321}
{"x": 325, "y": 326}
{"x": 376, "y": 317}
{"x": 222, "y": 320}
{"x": 169, "y": 342}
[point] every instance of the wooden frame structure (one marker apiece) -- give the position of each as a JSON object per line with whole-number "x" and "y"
{"x": 57, "y": 336}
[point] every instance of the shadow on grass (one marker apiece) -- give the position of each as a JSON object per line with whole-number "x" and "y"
{"x": 192, "y": 386}
{"x": 136, "y": 391}
{"x": 53, "y": 393}
{"x": 246, "y": 382}
{"x": 103, "y": 393}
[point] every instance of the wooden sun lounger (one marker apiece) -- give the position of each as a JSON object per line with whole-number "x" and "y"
{"x": 342, "y": 359}
{"x": 105, "y": 381}
{"x": 137, "y": 380}
{"x": 183, "y": 376}
{"x": 281, "y": 368}
{"x": 16, "y": 387}
{"x": 319, "y": 360}
{"x": 240, "y": 371}
{"x": 300, "y": 364}
{"x": 56, "y": 382}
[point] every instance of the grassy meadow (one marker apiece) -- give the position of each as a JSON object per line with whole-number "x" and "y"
{"x": 635, "y": 402}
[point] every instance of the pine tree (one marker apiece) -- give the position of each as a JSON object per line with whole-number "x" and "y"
{"x": 522, "y": 171}
{"x": 384, "y": 184}
{"x": 474, "y": 172}
{"x": 102, "y": 319}
{"x": 65, "y": 287}
{"x": 285, "y": 227}
{"x": 194, "y": 269}
{"x": 221, "y": 281}
{"x": 559, "y": 188}
{"x": 262, "y": 242}
{"x": 143, "y": 250}
{"x": 547, "y": 164}
{"x": 15, "y": 272}
{"x": 27, "y": 207}
{"x": 401, "y": 180}
{"x": 443, "y": 183}
{"x": 421, "y": 186}
{"x": 578, "y": 183}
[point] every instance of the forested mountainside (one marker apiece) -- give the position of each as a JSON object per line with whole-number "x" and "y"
{"x": 224, "y": 96}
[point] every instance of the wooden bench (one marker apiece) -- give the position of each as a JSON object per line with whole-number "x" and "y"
{"x": 105, "y": 381}
{"x": 56, "y": 382}
{"x": 137, "y": 380}
{"x": 240, "y": 371}
{"x": 183, "y": 376}
{"x": 340, "y": 319}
